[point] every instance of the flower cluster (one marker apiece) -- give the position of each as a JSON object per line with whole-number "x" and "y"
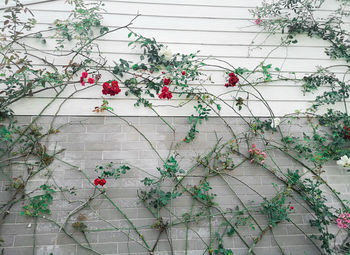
{"x": 165, "y": 94}
{"x": 84, "y": 76}
{"x": 232, "y": 81}
{"x": 257, "y": 155}
{"x": 344, "y": 161}
{"x": 164, "y": 51}
{"x": 258, "y": 21}
{"x": 111, "y": 89}
{"x": 343, "y": 220}
{"x": 99, "y": 181}
{"x": 346, "y": 132}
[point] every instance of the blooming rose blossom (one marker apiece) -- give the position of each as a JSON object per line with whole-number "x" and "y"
{"x": 84, "y": 74}
{"x": 232, "y": 81}
{"x": 101, "y": 182}
{"x": 256, "y": 154}
{"x": 291, "y": 208}
{"x": 167, "y": 81}
{"x": 183, "y": 73}
{"x": 343, "y": 221}
{"x": 164, "y": 51}
{"x": 165, "y": 93}
{"x": 91, "y": 80}
{"x": 275, "y": 122}
{"x": 82, "y": 81}
{"x": 346, "y": 132}
{"x": 344, "y": 161}
{"x": 111, "y": 90}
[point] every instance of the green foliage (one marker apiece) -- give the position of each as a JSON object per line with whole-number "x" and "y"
{"x": 312, "y": 193}
{"x": 39, "y": 205}
{"x": 222, "y": 250}
{"x": 201, "y": 192}
{"x": 298, "y": 17}
{"x": 276, "y": 209}
{"x": 80, "y": 25}
{"x": 202, "y": 114}
{"x": 171, "y": 168}
{"x": 108, "y": 170}
{"x": 155, "y": 196}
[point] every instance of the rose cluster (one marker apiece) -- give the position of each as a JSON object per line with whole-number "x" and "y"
{"x": 256, "y": 154}
{"x": 84, "y": 76}
{"x": 167, "y": 81}
{"x": 343, "y": 220}
{"x": 111, "y": 89}
{"x": 346, "y": 132}
{"x": 232, "y": 81}
{"x": 99, "y": 181}
{"x": 165, "y": 93}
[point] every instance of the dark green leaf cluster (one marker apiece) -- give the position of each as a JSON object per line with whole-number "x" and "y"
{"x": 312, "y": 193}
{"x": 276, "y": 209}
{"x": 39, "y": 204}
{"x": 108, "y": 170}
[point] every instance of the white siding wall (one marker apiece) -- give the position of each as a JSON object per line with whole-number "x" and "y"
{"x": 220, "y": 28}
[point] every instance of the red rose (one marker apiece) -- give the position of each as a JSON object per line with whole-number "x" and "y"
{"x": 167, "y": 81}
{"x": 347, "y": 132}
{"x": 84, "y": 74}
{"x": 82, "y": 81}
{"x": 106, "y": 85}
{"x": 102, "y": 182}
{"x": 98, "y": 181}
{"x": 165, "y": 93}
{"x": 292, "y": 207}
{"x": 115, "y": 87}
{"x": 232, "y": 81}
{"x": 111, "y": 90}
{"x": 91, "y": 80}
{"x": 183, "y": 73}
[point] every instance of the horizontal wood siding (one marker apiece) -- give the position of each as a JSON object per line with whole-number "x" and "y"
{"x": 222, "y": 29}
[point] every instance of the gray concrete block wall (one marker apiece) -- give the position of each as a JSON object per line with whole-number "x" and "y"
{"x": 91, "y": 141}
